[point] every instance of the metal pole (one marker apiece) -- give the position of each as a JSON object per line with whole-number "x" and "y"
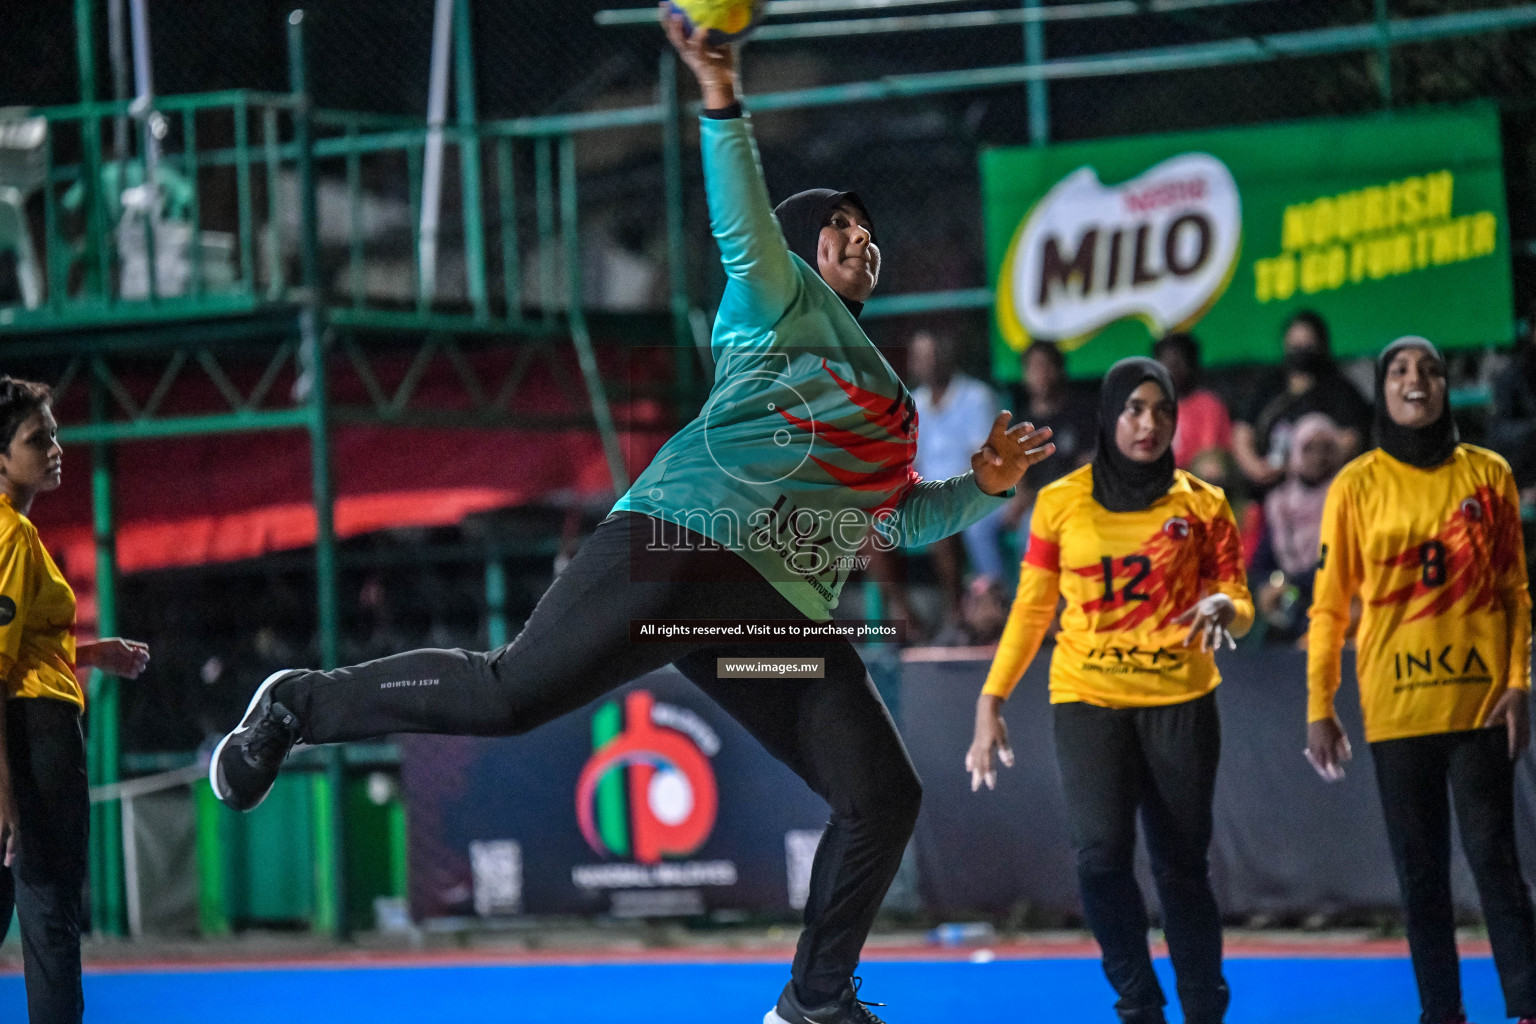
{"x": 117, "y": 36}
{"x": 685, "y": 358}
{"x": 469, "y": 162}
{"x": 1039, "y": 89}
{"x": 495, "y": 600}
{"x": 144, "y": 82}
{"x": 107, "y": 826}
{"x": 1384, "y": 52}
{"x": 131, "y": 870}
{"x": 312, "y": 354}
{"x": 90, "y": 177}
{"x": 85, "y": 48}
{"x": 432, "y": 176}
{"x": 580, "y": 336}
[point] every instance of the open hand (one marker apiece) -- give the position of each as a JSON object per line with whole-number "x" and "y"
{"x": 991, "y": 734}
{"x": 1002, "y": 460}
{"x": 713, "y": 66}
{"x": 1328, "y": 748}
{"x": 1208, "y": 619}
{"x": 1513, "y": 711}
{"x": 114, "y": 656}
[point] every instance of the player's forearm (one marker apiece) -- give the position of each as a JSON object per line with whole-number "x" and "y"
{"x": 934, "y": 509}
{"x": 1034, "y": 606}
{"x": 1325, "y": 646}
{"x": 1242, "y": 603}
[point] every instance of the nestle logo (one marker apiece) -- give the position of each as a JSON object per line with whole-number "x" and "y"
{"x": 1166, "y": 194}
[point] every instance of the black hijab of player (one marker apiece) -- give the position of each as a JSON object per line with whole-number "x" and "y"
{"x": 1425, "y": 447}
{"x": 1121, "y": 483}
{"x": 804, "y": 214}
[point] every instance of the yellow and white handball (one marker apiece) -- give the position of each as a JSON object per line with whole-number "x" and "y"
{"x": 726, "y": 20}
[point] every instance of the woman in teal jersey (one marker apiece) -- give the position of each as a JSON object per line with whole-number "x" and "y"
{"x": 804, "y": 447}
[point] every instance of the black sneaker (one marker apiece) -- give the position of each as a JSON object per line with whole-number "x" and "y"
{"x": 246, "y": 762}
{"x": 847, "y": 1008}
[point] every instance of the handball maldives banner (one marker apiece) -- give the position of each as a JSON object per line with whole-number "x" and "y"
{"x": 1387, "y": 225}
{"x": 648, "y": 802}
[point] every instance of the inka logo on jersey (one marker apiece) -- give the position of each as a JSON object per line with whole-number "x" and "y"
{"x": 648, "y": 790}
{"x": 1464, "y": 559}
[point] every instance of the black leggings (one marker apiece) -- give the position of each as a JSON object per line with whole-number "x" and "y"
{"x": 47, "y": 759}
{"x": 835, "y": 732}
{"x": 1162, "y": 762}
{"x": 1414, "y": 776}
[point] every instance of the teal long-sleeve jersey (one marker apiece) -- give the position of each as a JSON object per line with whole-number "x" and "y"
{"x": 806, "y": 442}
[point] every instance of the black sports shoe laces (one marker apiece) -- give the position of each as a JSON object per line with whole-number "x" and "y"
{"x": 271, "y": 738}
{"x": 859, "y": 1011}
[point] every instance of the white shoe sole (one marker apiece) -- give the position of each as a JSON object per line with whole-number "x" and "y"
{"x": 774, "y": 1018}
{"x": 213, "y": 764}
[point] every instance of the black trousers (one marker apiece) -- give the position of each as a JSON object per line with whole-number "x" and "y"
{"x": 1414, "y": 775}
{"x": 47, "y": 759}
{"x": 1160, "y": 762}
{"x": 835, "y": 732}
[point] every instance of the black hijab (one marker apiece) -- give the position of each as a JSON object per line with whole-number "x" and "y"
{"x": 1120, "y": 483}
{"x": 804, "y": 214}
{"x": 1425, "y": 447}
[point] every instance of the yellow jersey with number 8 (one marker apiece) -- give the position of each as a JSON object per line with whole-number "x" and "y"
{"x": 1437, "y": 559}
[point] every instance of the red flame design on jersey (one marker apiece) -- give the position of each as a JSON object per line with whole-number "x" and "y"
{"x": 1169, "y": 570}
{"x": 1480, "y": 539}
{"x": 890, "y": 454}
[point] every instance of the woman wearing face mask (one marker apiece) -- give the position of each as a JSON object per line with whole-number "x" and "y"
{"x": 1426, "y": 533}
{"x": 44, "y": 802}
{"x": 805, "y": 445}
{"x": 1309, "y": 381}
{"x": 1149, "y": 561}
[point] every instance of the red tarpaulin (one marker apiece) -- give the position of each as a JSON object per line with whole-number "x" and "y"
{"x": 191, "y": 501}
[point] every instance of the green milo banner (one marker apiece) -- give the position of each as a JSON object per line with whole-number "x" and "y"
{"x": 1386, "y": 225}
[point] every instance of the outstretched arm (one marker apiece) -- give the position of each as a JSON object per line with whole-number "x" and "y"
{"x": 114, "y": 656}
{"x": 762, "y": 278}
{"x": 933, "y": 509}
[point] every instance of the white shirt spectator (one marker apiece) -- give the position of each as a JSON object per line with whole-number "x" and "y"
{"x": 950, "y": 432}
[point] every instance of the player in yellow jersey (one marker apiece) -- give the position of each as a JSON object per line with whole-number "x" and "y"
{"x": 1425, "y": 531}
{"x": 1149, "y": 562}
{"x": 44, "y": 803}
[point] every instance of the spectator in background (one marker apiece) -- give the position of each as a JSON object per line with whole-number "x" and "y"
{"x": 1293, "y": 514}
{"x": 1512, "y": 426}
{"x": 955, "y": 412}
{"x": 1045, "y": 396}
{"x": 1309, "y": 381}
{"x": 1203, "y": 442}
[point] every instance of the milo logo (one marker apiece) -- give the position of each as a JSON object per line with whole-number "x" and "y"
{"x": 1161, "y": 247}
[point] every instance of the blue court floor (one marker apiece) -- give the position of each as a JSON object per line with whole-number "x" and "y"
{"x": 1355, "y": 990}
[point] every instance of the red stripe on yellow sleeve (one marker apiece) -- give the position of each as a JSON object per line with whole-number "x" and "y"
{"x": 1043, "y": 554}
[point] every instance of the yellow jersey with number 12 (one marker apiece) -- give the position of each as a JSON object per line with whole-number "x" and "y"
{"x": 1437, "y": 559}
{"x": 37, "y": 616}
{"x": 1126, "y": 578}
